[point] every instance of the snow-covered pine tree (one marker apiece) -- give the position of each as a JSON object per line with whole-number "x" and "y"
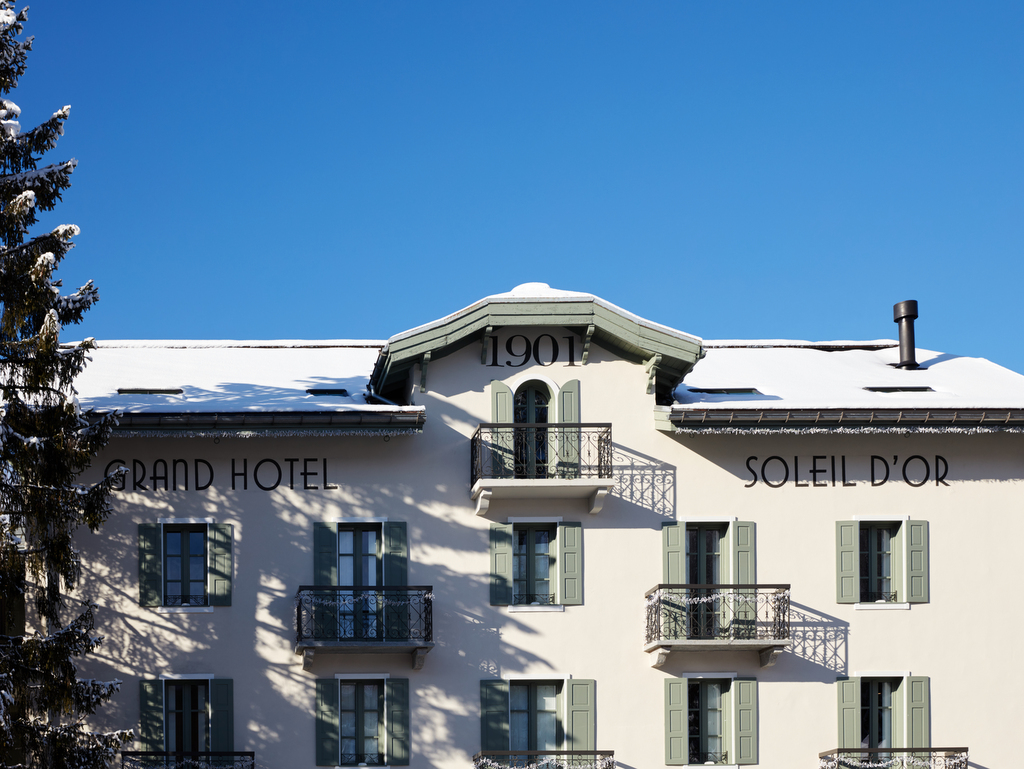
{"x": 46, "y": 441}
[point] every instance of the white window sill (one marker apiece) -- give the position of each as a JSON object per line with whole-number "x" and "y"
{"x": 184, "y": 610}
{"x": 881, "y": 606}
{"x": 527, "y": 608}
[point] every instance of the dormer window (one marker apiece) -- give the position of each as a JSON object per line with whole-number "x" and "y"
{"x": 726, "y": 390}
{"x": 327, "y": 391}
{"x": 149, "y": 391}
{"x": 899, "y": 389}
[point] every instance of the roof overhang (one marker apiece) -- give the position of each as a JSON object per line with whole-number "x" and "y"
{"x": 621, "y": 332}
{"x": 270, "y": 424}
{"x": 697, "y": 421}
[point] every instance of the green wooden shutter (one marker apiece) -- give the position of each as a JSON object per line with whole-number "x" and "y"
{"x": 502, "y": 451}
{"x": 569, "y": 437}
{"x": 676, "y": 725}
{"x": 325, "y": 553}
{"x": 744, "y": 559}
{"x": 744, "y": 712}
{"x": 222, "y": 714}
{"x": 151, "y": 715}
{"x": 848, "y": 690}
{"x": 582, "y": 714}
{"x": 570, "y": 563}
{"x": 501, "y": 564}
{"x": 744, "y": 553}
{"x": 918, "y": 712}
{"x": 151, "y": 589}
{"x": 396, "y": 696}
{"x": 221, "y": 567}
{"x": 917, "y": 562}
{"x": 673, "y": 572}
{"x": 325, "y": 572}
{"x": 396, "y": 554}
{"x": 328, "y": 722}
{"x": 847, "y": 562}
{"x": 673, "y": 553}
{"x": 494, "y": 715}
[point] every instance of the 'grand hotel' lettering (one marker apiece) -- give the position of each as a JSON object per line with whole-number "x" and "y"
{"x": 826, "y": 470}
{"x": 266, "y": 474}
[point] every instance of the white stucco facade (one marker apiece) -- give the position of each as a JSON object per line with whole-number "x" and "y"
{"x": 964, "y": 483}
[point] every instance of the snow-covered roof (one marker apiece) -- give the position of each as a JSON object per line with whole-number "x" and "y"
{"x": 787, "y": 375}
{"x": 230, "y": 376}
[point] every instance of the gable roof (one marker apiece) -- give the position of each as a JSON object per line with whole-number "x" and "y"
{"x": 537, "y": 304}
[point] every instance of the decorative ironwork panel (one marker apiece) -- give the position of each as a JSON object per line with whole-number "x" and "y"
{"x": 543, "y": 599}
{"x": 544, "y": 759}
{"x": 709, "y": 758}
{"x": 185, "y": 600}
{"x": 541, "y": 450}
{"x": 894, "y": 758}
{"x": 367, "y": 615}
{"x": 131, "y": 759}
{"x": 717, "y": 612}
{"x": 875, "y": 597}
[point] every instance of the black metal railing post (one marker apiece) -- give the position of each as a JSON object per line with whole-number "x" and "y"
{"x": 365, "y": 616}
{"x": 560, "y": 450}
{"x": 717, "y": 612}
{"x": 894, "y": 758}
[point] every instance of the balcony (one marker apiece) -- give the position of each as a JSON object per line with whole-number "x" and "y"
{"x": 217, "y": 759}
{"x": 894, "y": 758}
{"x": 703, "y": 618}
{"x": 544, "y": 759}
{"x": 541, "y": 461}
{"x": 356, "y": 620}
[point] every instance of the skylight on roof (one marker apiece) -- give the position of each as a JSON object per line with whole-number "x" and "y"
{"x": 327, "y": 391}
{"x": 149, "y": 391}
{"x": 899, "y": 389}
{"x": 726, "y": 390}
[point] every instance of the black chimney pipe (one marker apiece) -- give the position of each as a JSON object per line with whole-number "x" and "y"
{"x": 905, "y": 313}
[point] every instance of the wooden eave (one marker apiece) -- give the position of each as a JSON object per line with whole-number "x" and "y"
{"x": 622, "y": 335}
{"x": 695, "y": 420}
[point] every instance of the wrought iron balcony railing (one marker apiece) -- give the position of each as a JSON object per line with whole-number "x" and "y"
{"x": 217, "y": 759}
{"x": 540, "y": 599}
{"x": 878, "y": 597}
{"x": 709, "y": 758}
{"x": 544, "y": 759}
{"x": 357, "y": 616}
{"x": 717, "y": 612}
{"x": 541, "y": 450}
{"x": 894, "y": 758}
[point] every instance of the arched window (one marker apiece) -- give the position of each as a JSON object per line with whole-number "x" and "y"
{"x": 530, "y": 409}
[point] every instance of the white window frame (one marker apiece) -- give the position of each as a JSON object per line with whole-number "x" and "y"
{"x": 557, "y": 543}
{"x": 162, "y": 608}
{"x": 903, "y": 522}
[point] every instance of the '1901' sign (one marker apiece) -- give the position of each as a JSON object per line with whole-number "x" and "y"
{"x": 520, "y": 350}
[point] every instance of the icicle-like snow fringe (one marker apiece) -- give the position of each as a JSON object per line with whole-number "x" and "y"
{"x": 866, "y": 430}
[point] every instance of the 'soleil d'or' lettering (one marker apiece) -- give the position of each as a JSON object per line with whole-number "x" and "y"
{"x": 828, "y": 470}
{"x": 305, "y": 473}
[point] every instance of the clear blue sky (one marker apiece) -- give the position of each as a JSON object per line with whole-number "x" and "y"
{"x": 353, "y": 169}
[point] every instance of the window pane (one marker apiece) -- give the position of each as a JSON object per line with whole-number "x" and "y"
{"x": 345, "y": 542}
{"x": 546, "y": 732}
{"x": 345, "y": 571}
{"x": 173, "y": 543}
{"x": 520, "y": 698}
{"x": 519, "y": 732}
{"x": 348, "y": 723}
{"x": 174, "y": 569}
{"x": 546, "y": 697}
{"x": 196, "y": 543}
{"x": 196, "y": 568}
{"x": 370, "y": 696}
{"x": 348, "y": 697}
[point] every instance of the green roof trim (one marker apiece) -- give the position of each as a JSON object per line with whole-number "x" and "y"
{"x": 621, "y": 332}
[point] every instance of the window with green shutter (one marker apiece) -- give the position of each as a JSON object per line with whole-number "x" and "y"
{"x": 881, "y": 562}
{"x": 538, "y": 715}
{"x": 710, "y": 721}
{"x": 186, "y": 715}
{"x": 185, "y": 564}
{"x": 536, "y": 564}
{"x": 883, "y": 712}
{"x": 362, "y": 722}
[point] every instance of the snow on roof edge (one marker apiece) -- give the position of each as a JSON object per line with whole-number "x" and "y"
{"x": 533, "y": 292}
